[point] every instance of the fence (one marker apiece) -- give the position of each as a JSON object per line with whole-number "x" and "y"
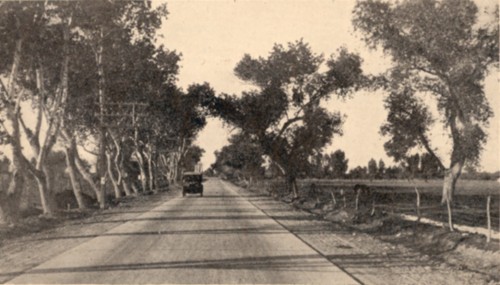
{"x": 473, "y": 208}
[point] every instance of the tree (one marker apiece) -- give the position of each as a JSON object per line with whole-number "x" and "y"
{"x": 117, "y": 32}
{"x": 358, "y": 173}
{"x": 184, "y": 115}
{"x": 337, "y": 164}
{"x": 192, "y": 158}
{"x": 372, "y": 169}
{"x": 242, "y": 157}
{"x": 57, "y": 56}
{"x": 284, "y": 114}
{"x": 429, "y": 167}
{"x": 381, "y": 169}
{"x": 412, "y": 166}
{"x": 393, "y": 172}
{"x": 35, "y": 61}
{"x": 438, "y": 48}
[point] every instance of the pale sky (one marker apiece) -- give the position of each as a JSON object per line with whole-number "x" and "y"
{"x": 214, "y": 35}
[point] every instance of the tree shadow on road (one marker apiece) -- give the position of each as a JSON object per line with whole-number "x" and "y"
{"x": 305, "y": 262}
{"x": 264, "y": 230}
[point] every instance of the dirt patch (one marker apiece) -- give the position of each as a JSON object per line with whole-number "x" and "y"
{"x": 462, "y": 250}
{"x": 37, "y": 238}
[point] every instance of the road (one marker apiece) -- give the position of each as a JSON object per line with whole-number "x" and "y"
{"x": 220, "y": 238}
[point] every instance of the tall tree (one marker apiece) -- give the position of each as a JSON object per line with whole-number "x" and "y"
{"x": 439, "y": 48}
{"x": 284, "y": 114}
{"x": 412, "y": 166}
{"x": 36, "y": 50}
{"x": 242, "y": 155}
{"x": 381, "y": 169}
{"x": 372, "y": 168}
{"x": 358, "y": 173}
{"x": 429, "y": 167}
{"x": 337, "y": 164}
{"x": 186, "y": 119}
{"x": 191, "y": 158}
{"x": 316, "y": 167}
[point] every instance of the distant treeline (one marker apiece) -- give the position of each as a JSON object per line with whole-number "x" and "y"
{"x": 242, "y": 161}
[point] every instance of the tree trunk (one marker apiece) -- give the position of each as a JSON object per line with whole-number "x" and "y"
{"x": 72, "y": 171}
{"x": 151, "y": 171}
{"x": 87, "y": 176}
{"x": 10, "y": 200}
{"x": 292, "y": 185}
{"x": 126, "y": 185}
{"x": 174, "y": 169}
{"x": 101, "y": 159}
{"x": 450, "y": 180}
{"x": 41, "y": 181}
{"x": 140, "y": 160}
{"x": 122, "y": 173}
{"x": 114, "y": 180}
{"x": 124, "y": 177}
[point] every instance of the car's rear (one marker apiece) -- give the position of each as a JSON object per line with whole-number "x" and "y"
{"x": 192, "y": 184}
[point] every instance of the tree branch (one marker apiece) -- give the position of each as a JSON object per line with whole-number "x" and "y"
{"x": 288, "y": 124}
{"x": 32, "y": 139}
{"x": 425, "y": 143}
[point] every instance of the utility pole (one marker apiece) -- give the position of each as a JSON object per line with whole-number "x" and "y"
{"x": 101, "y": 162}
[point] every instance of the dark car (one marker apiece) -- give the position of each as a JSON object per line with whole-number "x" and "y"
{"x": 192, "y": 183}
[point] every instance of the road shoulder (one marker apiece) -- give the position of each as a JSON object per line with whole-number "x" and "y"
{"x": 20, "y": 254}
{"x": 370, "y": 260}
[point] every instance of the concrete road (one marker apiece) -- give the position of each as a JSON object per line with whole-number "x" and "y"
{"x": 220, "y": 238}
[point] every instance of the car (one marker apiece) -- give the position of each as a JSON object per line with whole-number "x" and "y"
{"x": 192, "y": 183}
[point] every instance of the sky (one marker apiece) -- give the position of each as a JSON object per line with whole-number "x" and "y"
{"x": 213, "y": 35}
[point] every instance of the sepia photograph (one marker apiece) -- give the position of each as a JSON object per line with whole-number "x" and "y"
{"x": 330, "y": 142}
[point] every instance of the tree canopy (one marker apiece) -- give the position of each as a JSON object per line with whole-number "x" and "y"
{"x": 438, "y": 48}
{"x": 284, "y": 114}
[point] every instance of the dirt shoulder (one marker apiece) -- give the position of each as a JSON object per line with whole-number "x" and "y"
{"x": 32, "y": 241}
{"x": 382, "y": 257}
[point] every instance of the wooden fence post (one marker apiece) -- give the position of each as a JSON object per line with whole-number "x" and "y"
{"x": 357, "y": 199}
{"x": 334, "y": 201}
{"x": 450, "y": 221}
{"x": 373, "y": 206}
{"x": 488, "y": 217}
{"x": 342, "y": 193}
{"x": 418, "y": 204}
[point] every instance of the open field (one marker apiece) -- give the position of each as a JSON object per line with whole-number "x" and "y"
{"x": 464, "y": 187}
{"x": 399, "y": 197}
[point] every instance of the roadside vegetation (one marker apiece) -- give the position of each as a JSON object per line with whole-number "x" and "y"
{"x": 90, "y": 114}
{"x": 90, "y": 111}
{"x": 441, "y": 55}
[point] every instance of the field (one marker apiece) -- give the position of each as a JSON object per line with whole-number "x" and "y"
{"x": 464, "y": 187}
{"x": 399, "y": 196}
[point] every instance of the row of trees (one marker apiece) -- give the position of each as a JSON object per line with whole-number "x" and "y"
{"x": 283, "y": 116}
{"x": 243, "y": 159}
{"x": 88, "y": 75}
{"x": 439, "y": 49}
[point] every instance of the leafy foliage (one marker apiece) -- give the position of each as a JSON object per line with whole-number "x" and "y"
{"x": 439, "y": 48}
{"x": 241, "y": 157}
{"x": 336, "y": 164}
{"x": 284, "y": 114}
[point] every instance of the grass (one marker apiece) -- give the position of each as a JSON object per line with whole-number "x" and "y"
{"x": 398, "y": 196}
{"x": 464, "y": 187}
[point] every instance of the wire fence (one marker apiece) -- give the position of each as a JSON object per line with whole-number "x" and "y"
{"x": 474, "y": 208}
